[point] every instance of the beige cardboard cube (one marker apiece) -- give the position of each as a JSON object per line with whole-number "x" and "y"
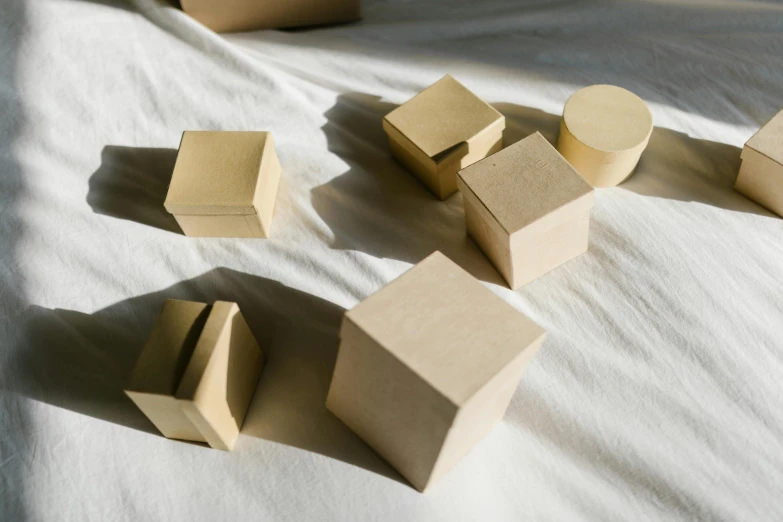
{"x": 196, "y": 375}
{"x": 441, "y": 130}
{"x": 224, "y": 184}
{"x": 527, "y": 209}
{"x": 603, "y": 132}
{"x": 428, "y": 365}
{"x": 761, "y": 173}
{"x": 247, "y": 15}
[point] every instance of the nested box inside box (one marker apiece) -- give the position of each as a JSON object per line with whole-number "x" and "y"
{"x": 527, "y": 209}
{"x": 761, "y": 173}
{"x": 224, "y": 184}
{"x": 197, "y": 373}
{"x": 427, "y": 366}
{"x": 441, "y": 130}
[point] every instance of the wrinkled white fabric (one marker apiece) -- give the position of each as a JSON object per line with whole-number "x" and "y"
{"x": 657, "y": 395}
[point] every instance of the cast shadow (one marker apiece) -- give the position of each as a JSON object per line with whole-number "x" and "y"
{"x": 674, "y": 166}
{"x": 377, "y": 207}
{"x": 678, "y": 167}
{"x": 81, "y": 362}
{"x": 132, "y": 183}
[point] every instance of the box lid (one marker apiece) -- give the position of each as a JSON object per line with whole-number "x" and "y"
{"x": 218, "y": 172}
{"x": 768, "y": 140}
{"x": 443, "y": 116}
{"x": 445, "y": 326}
{"x": 166, "y": 354}
{"x": 524, "y": 182}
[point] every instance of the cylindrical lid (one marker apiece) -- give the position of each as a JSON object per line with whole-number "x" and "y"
{"x": 608, "y": 118}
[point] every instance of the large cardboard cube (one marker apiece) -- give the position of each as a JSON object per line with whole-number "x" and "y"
{"x": 527, "y": 209}
{"x": 441, "y": 130}
{"x": 224, "y": 184}
{"x": 428, "y": 365}
{"x": 196, "y": 375}
{"x": 603, "y": 132}
{"x": 761, "y": 173}
{"x": 248, "y": 15}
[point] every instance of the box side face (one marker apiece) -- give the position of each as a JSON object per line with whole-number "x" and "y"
{"x": 389, "y": 407}
{"x": 222, "y": 376}
{"x": 598, "y": 168}
{"x": 769, "y": 139}
{"x": 412, "y": 158}
{"x": 524, "y": 182}
{"x": 243, "y": 15}
{"x": 442, "y": 116}
{"x": 268, "y": 186}
{"x": 446, "y": 326}
{"x": 482, "y": 413}
{"x": 550, "y": 242}
{"x": 166, "y": 413}
{"x": 215, "y": 173}
{"x": 761, "y": 179}
{"x": 487, "y": 233}
{"x": 241, "y": 226}
{"x": 164, "y": 358}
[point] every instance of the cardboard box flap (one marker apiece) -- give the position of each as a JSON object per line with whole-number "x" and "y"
{"x": 443, "y": 116}
{"x": 524, "y": 182}
{"x": 216, "y": 173}
{"x": 166, "y": 354}
{"x": 768, "y": 140}
{"x": 457, "y": 336}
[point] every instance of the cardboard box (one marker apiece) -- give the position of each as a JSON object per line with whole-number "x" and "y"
{"x": 441, "y": 130}
{"x": 248, "y": 15}
{"x": 761, "y": 173}
{"x": 527, "y": 209}
{"x": 224, "y": 184}
{"x": 196, "y": 375}
{"x": 603, "y": 132}
{"x": 428, "y": 365}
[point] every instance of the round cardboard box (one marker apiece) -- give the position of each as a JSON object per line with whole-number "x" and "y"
{"x": 603, "y": 132}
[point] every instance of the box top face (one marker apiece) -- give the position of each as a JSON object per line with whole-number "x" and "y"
{"x": 446, "y": 327}
{"x": 216, "y": 173}
{"x": 165, "y": 357}
{"x": 524, "y": 182}
{"x": 443, "y": 116}
{"x": 608, "y": 118}
{"x": 768, "y": 140}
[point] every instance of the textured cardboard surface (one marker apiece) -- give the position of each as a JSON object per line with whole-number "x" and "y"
{"x": 457, "y": 334}
{"x": 443, "y": 116}
{"x": 760, "y": 178}
{"x": 768, "y": 140}
{"x": 224, "y": 184}
{"x": 427, "y": 366}
{"x": 197, "y": 373}
{"x": 524, "y": 182}
{"x": 527, "y": 209}
{"x": 245, "y": 15}
{"x": 603, "y": 132}
{"x": 443, "y": 129}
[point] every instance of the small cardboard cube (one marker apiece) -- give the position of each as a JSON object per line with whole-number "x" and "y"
{"x": 247, "y": 15}
{"x": 761, "y": 173}
{"x": 527, "y": 209}
{"x": 441, "y": 130}
{"x": 196, "y": 375}
{"x": 428, "y": 365}
{"x": 224, "y": 184}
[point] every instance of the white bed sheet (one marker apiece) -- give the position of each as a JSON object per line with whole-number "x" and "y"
{"x": 656, "y": 396}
